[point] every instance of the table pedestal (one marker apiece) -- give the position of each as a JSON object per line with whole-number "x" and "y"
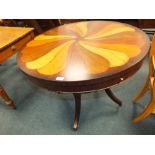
{"x": 6, "y": 98}
{"x": 77, "y": 97}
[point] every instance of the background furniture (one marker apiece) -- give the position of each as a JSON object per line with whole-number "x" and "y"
{"x": 149, "y": 85}
{"x": 41, "y": 25}
{"x": 6, "y": 98}
{"x": 146, "y": 23}
{"x": 12, "y": 39}
{"x": 84, "y": 57}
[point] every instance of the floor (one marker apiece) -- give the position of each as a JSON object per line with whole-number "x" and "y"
{"x": 42, "y": 112}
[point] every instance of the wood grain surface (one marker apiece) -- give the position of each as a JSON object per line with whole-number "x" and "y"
{"x": 8, "y": 35}
{"x": 84, "y": 51}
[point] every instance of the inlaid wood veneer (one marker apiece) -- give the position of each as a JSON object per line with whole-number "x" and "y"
{"x": 83, "y": 51}
{"x": 84, "y": 57}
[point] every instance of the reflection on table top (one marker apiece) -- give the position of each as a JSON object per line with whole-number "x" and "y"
{"x": 83, "y": 51}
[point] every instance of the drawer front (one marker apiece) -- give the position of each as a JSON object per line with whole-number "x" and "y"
{"x": 13, "y": 49}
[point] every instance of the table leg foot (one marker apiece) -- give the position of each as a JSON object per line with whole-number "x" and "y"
{"x": 77, "y": 98}
{"x": 6, "y": 98}
{"x": 11, "y": 105}
{"x": 113, "y": 97}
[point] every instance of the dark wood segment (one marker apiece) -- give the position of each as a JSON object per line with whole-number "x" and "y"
{"x": 113, "y": 97}
{"x": 83, "y": 51}
{"x": 86, "y": 86}
{"x": 77, "y": 98}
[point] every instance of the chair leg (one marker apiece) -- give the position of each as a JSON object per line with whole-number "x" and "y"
{"x": 150, "y": 107}
{"x": 146, "y": 112}
{"x": 142, "y": 92}
{"x": 6, "y": 98}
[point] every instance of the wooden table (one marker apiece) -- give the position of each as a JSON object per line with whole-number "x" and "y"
{"x": 84, "y": 57}
{"x": 12, "y": 39}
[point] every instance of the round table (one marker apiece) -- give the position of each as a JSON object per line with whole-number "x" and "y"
{"x": 84, "y": 57}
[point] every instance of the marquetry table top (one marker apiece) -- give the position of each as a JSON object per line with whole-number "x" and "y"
{"x": 84, "y": 51}
{"x": 9, "y": 35}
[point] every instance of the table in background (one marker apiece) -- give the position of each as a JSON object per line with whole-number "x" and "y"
{"x": 12, "y": 39}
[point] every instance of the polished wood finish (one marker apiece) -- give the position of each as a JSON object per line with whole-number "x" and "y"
{"x": 11, "y": 34}
{"x": 86, "y": 86}
{"x": 91, "y": 50}
{"x": 84, "y": 57}
{"x": 6, "y": 98}
{"x": 77, "y": 98}
{"x": 148, "y": 86}
{"x": 12, "y": 39}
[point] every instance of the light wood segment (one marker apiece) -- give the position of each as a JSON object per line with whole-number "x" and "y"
{"x": 12, "y": 39}
{"x": 47, "y": 58}
{"x": 85, "y": 36}
{"x": 14, "y": 48}
{"x": 9, "y": 35}
{"x": 95, "y": 63}
{"x": 113, "y": 31}
{"x": 130, "y": 50}
{"x": 115, "y": 58}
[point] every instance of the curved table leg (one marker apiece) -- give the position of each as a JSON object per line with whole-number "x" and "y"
{"x": 6, "y": 98}
{"x": 113, "y": 97}
{"x": 142, "y": 92}
{"x": 77, "y": 98}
